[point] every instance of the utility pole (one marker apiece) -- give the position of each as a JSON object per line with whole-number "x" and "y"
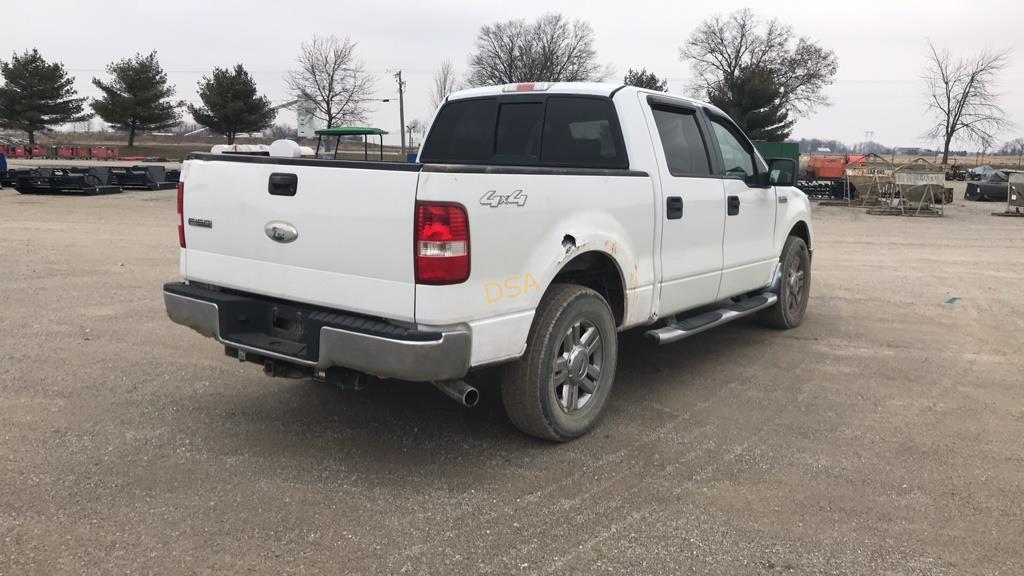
{"x": 401, "y": 109}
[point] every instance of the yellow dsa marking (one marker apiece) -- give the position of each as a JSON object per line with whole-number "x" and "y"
{"x": 513, "y": 287}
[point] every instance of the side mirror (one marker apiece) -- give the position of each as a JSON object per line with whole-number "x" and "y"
{"x": 782, "y": 171}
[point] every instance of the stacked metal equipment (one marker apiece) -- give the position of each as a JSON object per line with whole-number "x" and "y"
{"x": 870, "y": 181}
{"x": 9, "y": 178}
{"x": 145, "y": 177}
{"x": 993, "y": 185}
{"x": 1014, "y": 195}
{"x": 89, "y": 181}
{"x": 920, "y": 190}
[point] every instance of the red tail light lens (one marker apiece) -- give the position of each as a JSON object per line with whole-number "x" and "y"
{"x": 181, "y": 214}
{"x": 442, "y": 243}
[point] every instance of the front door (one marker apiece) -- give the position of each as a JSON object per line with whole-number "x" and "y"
{"x": 748, "y": 248}
{"x": 691, "y": 207}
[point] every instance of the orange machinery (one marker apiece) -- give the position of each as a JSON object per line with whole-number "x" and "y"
{"x": 830, "y": 167}
{"x": 825, "y": 175}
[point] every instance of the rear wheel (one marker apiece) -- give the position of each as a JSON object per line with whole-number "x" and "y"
{"x": 795, "y": 291}
{"x": 559, "y": 388}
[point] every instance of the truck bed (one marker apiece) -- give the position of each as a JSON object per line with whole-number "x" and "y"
{"x": 354, "y": 225}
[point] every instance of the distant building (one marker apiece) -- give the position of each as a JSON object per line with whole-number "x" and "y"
{"x": 308, "y": 124}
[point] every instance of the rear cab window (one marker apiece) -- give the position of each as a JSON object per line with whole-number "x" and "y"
{"x": 519, "y": 131}
{"x": 685, "y": 150}
{"x": 532, "y": 130}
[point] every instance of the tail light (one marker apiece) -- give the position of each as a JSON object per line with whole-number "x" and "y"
{"x": 181, "y": 214}
{"x": 442, "y": 243}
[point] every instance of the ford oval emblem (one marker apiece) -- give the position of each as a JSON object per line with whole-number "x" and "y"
{"x": 282, "y": 232}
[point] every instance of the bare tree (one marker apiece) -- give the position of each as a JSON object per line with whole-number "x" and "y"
{"x": 333, "y": 80}
{"x": 445, "y": 82}
{"x": 961, "y": 97}
{"x": 549, "y": 49}
{"x": 417, "y": 127}
{"x": 282, "y": 131}
{"x": 724, "y": 46}
{"x": 1014, "y": 147}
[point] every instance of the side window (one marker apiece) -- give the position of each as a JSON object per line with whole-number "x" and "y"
{"x": 463, "y": 132}
{"x": 738, "y": 159}
{"x": 582, "y": 132}
{"x": 519, "y": 130}
{"x": 685, "y": 151}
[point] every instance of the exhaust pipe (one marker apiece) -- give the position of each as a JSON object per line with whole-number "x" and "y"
{"x": 459, "y": 391}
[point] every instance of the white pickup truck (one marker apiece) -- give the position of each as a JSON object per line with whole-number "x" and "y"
{"x": 539, "y": 221}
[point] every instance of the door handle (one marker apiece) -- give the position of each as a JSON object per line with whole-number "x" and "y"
{"x": 282, "y": 184}
{"x": 733, "y": 205}
{"x": 674, "y": 207}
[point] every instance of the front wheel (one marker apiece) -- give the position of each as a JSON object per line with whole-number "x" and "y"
{"x": 558, "y": 389}
{"x": 795, "y": 291}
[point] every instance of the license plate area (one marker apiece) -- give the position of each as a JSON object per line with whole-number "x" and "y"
{"x": 287, "y": 323}
{"x": 271, "y": 326}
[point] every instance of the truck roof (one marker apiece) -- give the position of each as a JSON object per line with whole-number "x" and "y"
{"x": 587, "y": 88}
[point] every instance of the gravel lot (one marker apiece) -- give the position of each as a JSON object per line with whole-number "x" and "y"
{"x": 884, "y": 436}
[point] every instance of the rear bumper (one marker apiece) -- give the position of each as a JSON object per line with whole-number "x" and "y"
{"x": 319, "y": 339}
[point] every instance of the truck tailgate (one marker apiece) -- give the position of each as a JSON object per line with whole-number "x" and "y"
{"x": 354, "y": 222}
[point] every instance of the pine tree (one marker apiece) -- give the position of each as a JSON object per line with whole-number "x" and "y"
{"x": 754, "y": 101}
{"x": 138, "y": 97}
{"x": 644, "y": 79}
{"x": 231, "y": 104}
{"x": 37, "y": 94}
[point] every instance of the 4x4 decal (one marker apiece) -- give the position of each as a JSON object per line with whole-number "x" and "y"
{"x": 493, "y": 199}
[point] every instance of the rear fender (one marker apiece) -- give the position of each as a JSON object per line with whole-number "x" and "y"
{"x": 595, "y": 232}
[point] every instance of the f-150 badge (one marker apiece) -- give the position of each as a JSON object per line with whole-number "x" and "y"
{"x": 493, "y": 199}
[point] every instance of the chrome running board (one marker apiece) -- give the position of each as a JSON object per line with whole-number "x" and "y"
{"x": 678, "y": 328}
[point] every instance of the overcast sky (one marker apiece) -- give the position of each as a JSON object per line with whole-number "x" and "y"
{"x": 880, "y": 45}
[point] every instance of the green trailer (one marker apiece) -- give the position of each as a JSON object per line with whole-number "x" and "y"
{"x": 770, "y": 150}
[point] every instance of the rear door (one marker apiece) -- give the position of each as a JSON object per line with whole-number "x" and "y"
{"x": 544, "y": 179}
{"x": 692, "y": 206}
{"x": 748, "y": 248}
{"x": 353, "y": 224}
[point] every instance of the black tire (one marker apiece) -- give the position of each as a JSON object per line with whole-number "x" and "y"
{"x": 537, "y": 395}
{"x": 795, "y": 290}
